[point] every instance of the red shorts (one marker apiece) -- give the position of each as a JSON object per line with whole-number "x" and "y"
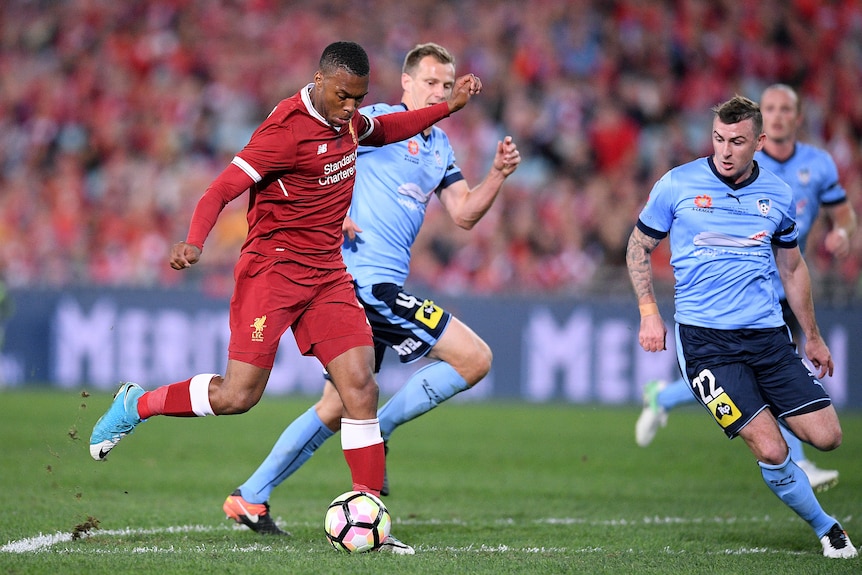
{"x": 270, "y": 296}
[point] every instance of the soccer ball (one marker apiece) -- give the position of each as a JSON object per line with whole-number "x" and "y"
{"x": 356, "y": 522}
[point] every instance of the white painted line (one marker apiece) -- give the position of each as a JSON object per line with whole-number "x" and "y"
{"x": 42, "y": 543}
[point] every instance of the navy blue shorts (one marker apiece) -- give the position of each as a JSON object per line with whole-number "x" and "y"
{"x": 738, "y": 373}
{"x": 409, "y": 325}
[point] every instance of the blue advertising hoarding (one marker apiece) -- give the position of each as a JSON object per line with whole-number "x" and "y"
{"x": 568, "y": 350}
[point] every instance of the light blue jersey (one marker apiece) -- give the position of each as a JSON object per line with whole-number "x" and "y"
{"x": 813, "y": 177}
{"x": 394, "y": 184}
{"x": 721, "y": 237}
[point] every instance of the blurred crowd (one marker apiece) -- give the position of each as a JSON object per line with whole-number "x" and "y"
{"x": 115, "y": 116}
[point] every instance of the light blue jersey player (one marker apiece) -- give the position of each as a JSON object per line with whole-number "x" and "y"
{"x": 732, "y": 227}
{"x": 813, "y": 177}
{"x": 397, "y": 182}
{"x": 394, "y": 185}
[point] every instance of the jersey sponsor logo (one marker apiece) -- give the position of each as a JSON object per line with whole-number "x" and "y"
{"x": 429, "y": 314}
{"x": 406, "y": 347}
{"x": 412, "y": 190}
{"x": 724, "y": 410}
{"x": 335, "y": 172}
{"x": 257, "y": 328}
{"x": 715, "y": 398}
{"x": 413, "y": 147}
{"x": 764, "y": 205}
{"x": 703, "y": 201}
{"x": 719, "y": 239}
{"x": 426, "y": 311}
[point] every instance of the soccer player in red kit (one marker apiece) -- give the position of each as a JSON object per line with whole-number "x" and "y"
{"x": 299, "y": 170}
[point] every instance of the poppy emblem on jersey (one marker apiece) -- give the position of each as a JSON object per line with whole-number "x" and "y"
{"x": 413, "y": 147}
{"x": 703, "y": 201}
{"x": 764, "y": 205}
{"x": 804, "y": 176}
{"x": 257, "y": 328}
{"x": 353, "y": 133}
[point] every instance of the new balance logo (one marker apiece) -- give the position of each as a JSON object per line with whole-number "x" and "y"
{"x": 321, "y": 149}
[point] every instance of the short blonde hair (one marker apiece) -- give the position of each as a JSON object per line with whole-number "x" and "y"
{"x": 414, "y": 56}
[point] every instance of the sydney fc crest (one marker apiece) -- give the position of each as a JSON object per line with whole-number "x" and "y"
{"x": 764, "y": 205}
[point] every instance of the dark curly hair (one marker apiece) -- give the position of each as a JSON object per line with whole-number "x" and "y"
{"x": 349, "y": 56}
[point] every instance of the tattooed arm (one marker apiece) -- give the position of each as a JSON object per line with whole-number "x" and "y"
{"x": 652, "y": 329}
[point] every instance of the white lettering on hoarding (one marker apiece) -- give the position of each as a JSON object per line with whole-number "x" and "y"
{"x": 582, "y": 358}
{"x": 554, "y": 352}
{"x": 83, "y": 348}
{"x": 106, "y": 344}
{"x": 614, "y": 361}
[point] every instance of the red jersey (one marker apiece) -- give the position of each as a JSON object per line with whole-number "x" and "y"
{"x": 302, "y": 171}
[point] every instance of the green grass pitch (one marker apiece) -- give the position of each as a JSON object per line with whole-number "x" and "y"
{"x": 477, "y": 488}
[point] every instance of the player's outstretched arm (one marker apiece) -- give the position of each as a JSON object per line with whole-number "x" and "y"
{"x": 229, "y": 185}
{"x": 465, "y": 86}
{"x": 397, "y": 126}
{"x": 467, "y": 206}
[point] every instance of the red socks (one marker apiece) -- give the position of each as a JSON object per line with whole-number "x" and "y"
{"x": 173, "y": 399}
{"x": 189, "y": 398}
{"x": 367, "y": 466}
{"x": 363, "y": 450}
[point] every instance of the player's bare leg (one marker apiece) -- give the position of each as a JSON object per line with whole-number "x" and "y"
{"x": 789, "y": 482}
{"x": 352, "y": 374}
{"x": 204, "y": 394}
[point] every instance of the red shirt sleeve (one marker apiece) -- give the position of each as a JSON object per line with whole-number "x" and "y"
{"x": 229, "y": 185}
{"x": 397, "y": 126}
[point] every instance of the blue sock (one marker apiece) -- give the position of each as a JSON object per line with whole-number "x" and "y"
{"x": 425, "y": 390}
{"x": 791, "y": 485}
{"x": 794, "y": 443}
{"x": 674, "y": 394}
{"x": 295, "y": 446}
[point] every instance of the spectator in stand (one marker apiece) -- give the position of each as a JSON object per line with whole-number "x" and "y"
{"x": 149, "y": 99}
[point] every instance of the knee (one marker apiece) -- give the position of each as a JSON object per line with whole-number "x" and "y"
{"x": 478, "y": 364}
{"x": 233, "y": 403}
{"x": 775, "y": 454}
{"x": 329, "y": 410}
{"x": 826, "y": 435}
{"x": 829, "y": 441}
{"x": 358, "y": 396}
